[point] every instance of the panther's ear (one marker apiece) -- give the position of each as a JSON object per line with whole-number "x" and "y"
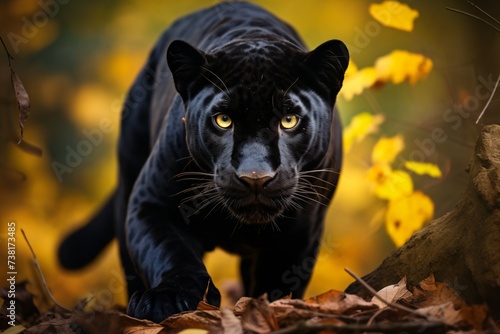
{"x": 328, "y": 63}
{"x": 185, "y": 62}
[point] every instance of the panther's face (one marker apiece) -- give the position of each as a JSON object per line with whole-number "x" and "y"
{"x": 258, "y": 118}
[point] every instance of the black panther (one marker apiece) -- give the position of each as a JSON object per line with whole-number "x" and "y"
{"x": 229, "y": 138}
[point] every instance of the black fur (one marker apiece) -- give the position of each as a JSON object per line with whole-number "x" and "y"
{"x": 256, "y": 187}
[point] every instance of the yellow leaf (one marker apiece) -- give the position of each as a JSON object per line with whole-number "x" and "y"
{"x": 361, "y": 125}
{"x": 386, "y": 149}
{"x": 193, "y": 331}
{"x": 422, "y": 168}
{"x": 389, "y": 184}
{"x": 394, "y": 14}
{"x": 407, "y": 215}
{"x": 351, "y": 69}
{"x": 396, "y": 67}
{"x": 400, "y": 65}
{"x": 356, "y": 82}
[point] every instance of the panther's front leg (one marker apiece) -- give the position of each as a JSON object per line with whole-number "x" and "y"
{"x": 170, "y": 264}
{"x": 166, "y": 256}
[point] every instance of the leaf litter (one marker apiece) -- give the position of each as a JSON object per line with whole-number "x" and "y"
{"x": 430, "y": 307}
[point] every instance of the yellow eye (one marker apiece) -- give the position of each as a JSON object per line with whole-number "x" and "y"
{"x": 289, "y": 121}
{"x": 223, "y": 120}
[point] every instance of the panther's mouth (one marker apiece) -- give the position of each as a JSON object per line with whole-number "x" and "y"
{"x": 256, "y": 212}
{"x": 262, "y": 207}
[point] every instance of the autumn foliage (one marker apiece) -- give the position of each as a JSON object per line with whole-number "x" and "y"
{"x": 388, "y": 176}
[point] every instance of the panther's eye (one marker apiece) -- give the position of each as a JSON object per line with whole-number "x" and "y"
{"x": 223, "y": 120}
{"x": 289, "y": 121}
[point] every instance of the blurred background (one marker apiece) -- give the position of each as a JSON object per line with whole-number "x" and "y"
{"x": 77, "y": 59}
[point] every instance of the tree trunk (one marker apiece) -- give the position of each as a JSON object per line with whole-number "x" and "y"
{"x": 461, "y": 248}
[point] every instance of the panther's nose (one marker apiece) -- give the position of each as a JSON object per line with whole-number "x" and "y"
{"x": 255, "y": 181}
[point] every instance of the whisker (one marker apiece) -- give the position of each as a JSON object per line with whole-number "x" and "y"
{"x": 181, "y": 174}
{"x": 213, "y": 199}
{"x": 327, "y": 170}
{"x": 219, "y": 203}
{"x": 307, "y": 199}
{"x": 197, "y": 179}
{"x": 226, "y": 91}
{"x": 311, "y": 189}
{"x": 309, "y": 184}
{"x": 204, "y": 187}
{"x": 184, "y": 158}
{"x": 289, "y": 87}
{"x": 207, "y": 188}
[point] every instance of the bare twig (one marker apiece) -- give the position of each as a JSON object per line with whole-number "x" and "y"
{"x": 375, "y": 294}
{"x": 474, "y": 16}
{"x": 41, "y": 274}
{"x": 484, "y": 12}
{"x": 489, "y": 100}
{"x": 9, "y": 57}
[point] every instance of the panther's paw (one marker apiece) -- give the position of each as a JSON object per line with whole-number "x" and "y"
{"x": 159, "y": 303}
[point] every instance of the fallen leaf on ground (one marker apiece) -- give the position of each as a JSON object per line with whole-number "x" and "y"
{"x": 429, "y": 293}
{"x": 259, "y": 316}
{"x": 333, "y": 302}
{"x": 392, "y": 293}
{"x": 209, "y": 320}
{"x": 230, "y": 323}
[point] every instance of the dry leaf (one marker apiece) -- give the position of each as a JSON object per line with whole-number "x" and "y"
{"x": 394, "y": 14}
{"x": 241, "y": 305}
{"x": 386, "y": 149}
{"x": 288, "y": 315}
{"x": 230, "y": 323}
{"x": 209, "y": 320}
{"x": 475, "y": 315}
{"x": 96, "y": 322}
{"x": 444, "y": 312}
{"x": 204, "y": 306}
{"x": 327, "y": 297}
{"x": 333, "y": 302}
{"x": 22, "y": 97}
{"x": 392, "y": 293}
{"x": 431, "y": 293}
{"x": 424, "y": 168}
{"x": 26, "y": 310}
{"x": 407, "y": 215}
{"x": 360, "y": 126}
{"x": 259, "y": 316}
{"x": 23, "y": 100}
{"x": 437, "y": 299}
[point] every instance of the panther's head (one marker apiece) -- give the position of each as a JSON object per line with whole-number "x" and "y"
{"x": 258, "y": 116}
